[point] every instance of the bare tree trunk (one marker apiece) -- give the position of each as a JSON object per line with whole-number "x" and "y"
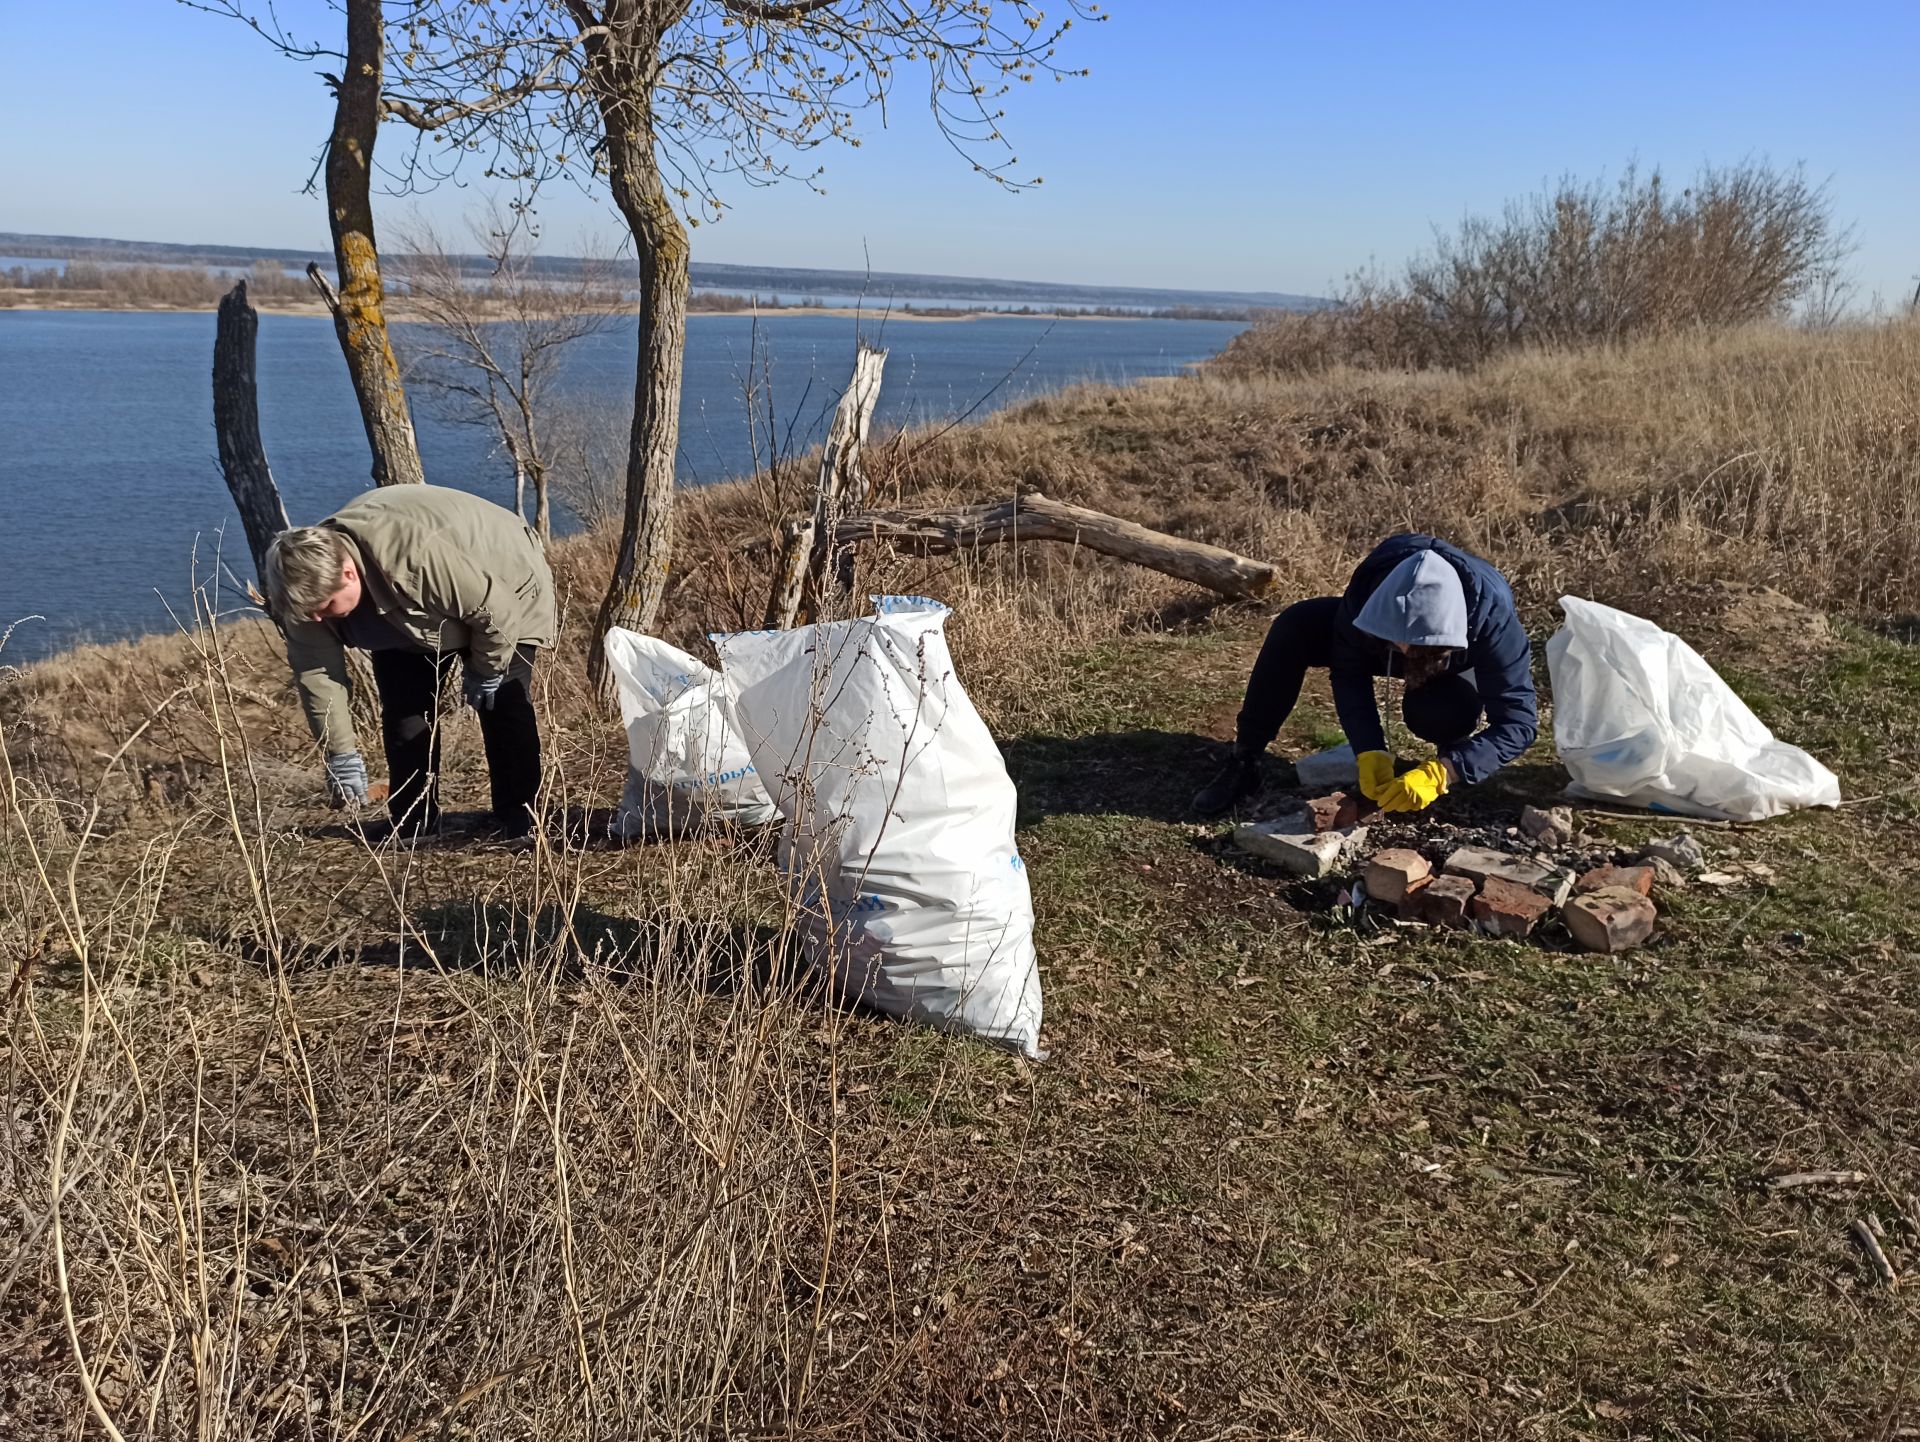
{"x": 520, "y": 490}
{"x": 639, "y": 578}
{"x": 358, "y": 313}
{"x": 236, "y": 425}
{"x": 243, "y": 459}
{"x": 542, "y": 512}
{"x": 531, "y": 466}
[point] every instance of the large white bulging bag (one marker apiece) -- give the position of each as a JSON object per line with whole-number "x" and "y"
{"x": 1639, "y": 717}
{"x": 686, "y": 765}
{"x": 898, "y": 817}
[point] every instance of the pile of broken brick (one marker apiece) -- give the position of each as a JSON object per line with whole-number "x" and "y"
{"x": 1606, "y": 906}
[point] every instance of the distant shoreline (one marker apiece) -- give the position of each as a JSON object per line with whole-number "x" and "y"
{"x": 43, "y": 301}
{"x": 761, "y": 280}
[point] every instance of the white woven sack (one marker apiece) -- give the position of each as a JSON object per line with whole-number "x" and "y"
{"x": 898, "y": 817}
{"x": 1639, "y": 717}
{"x": 686, "y": 766}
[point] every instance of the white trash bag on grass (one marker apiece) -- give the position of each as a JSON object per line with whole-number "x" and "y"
{"x": 898, "y": 818}
{"x": 1639, "y": 717}
{"x": 686, "y": 765}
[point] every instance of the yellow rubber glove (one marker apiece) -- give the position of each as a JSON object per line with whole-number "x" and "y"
{"x": 1417, "y": 789}
{"x": 1376, "y": 774}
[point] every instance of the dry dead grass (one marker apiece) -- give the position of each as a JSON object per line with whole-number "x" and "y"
{"x": 1767, "y": 456}
{"x": 305, "y": 1139}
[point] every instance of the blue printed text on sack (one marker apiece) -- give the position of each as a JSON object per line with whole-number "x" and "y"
{"x": 712, "y": 778}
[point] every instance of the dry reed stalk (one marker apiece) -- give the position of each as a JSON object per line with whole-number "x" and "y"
{"x": 585, "y": 1140}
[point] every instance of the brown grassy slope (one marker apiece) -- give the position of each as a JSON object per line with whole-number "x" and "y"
{"x": 1764, "y": 456}
{"x": 345, "y": 1139}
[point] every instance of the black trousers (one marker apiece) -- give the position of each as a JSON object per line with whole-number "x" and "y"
{"x": 410, "y": 684}
{"x": 1444, "y": 711}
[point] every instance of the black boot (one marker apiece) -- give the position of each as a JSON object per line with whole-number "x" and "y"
{"x": 1239, "y": 779}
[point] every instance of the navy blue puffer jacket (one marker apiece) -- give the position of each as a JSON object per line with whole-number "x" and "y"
{"x": 1497, "y": 653}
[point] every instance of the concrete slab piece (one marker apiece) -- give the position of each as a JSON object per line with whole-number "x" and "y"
{"x": 1335, "y": 767}
{"x": 1681, "y": 850}
{"x": 1291, "y": 842}
{"x": 1549, "y": 829}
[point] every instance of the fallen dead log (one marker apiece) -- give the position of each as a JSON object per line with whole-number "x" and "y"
{"x": 1033, "y": 517}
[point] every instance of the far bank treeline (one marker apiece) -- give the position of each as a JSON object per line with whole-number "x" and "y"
{"x": 82, "y": 284}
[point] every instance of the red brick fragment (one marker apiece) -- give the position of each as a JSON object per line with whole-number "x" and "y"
{"x": 1614, "y": 918}
{"x": 1634, "y": 878}
{"x": 1337, "y": 811}
{"x": 1393, "y": 873}
{"x": 1409, "y": 906}
{"x": 1505, "y": 908}
{"x": 1443, "y": 901}
{"x": 1326, "y": 812}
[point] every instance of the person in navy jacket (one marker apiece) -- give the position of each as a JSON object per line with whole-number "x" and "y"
{"x": 1420, "y": 610}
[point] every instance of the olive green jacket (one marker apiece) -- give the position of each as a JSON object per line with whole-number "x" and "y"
{"x": 449, "y": 571}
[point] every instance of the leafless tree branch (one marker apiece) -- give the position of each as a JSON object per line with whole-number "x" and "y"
{"x": 488, "y": 345}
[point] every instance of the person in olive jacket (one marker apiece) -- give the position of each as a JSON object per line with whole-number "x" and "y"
{"x": 417, "y": 576}
{"x": 1419, "y": 609}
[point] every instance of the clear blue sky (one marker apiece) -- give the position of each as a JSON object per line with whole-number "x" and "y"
{"x": 1218, "y": 143}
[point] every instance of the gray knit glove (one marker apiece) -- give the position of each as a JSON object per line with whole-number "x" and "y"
{"x": 347, "y": 779}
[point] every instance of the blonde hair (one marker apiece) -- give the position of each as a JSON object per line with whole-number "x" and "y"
{"x": 302, "y": 570}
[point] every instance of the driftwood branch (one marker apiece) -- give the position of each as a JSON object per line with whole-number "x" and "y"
{"x": 236, "y": 424}
{"x": 1033, "y": 517}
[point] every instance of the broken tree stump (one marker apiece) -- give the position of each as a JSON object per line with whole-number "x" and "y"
{"x": 843, "y": 476}
{"x": 790, "y": 573}
{"x": 810, "y": 548}
{"x": 243, "y": 457}
{"x": 236, "y": 424}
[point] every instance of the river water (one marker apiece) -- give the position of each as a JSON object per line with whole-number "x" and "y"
{"x": 114, "y": 502}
